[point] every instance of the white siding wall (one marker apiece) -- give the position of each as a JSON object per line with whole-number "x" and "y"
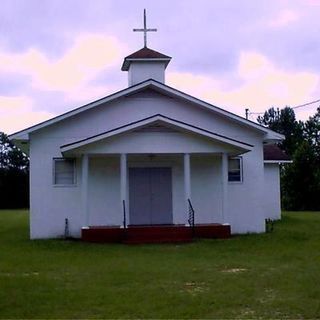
{"x": 272, "y": 191}
{"x": 245, "y": 199}
{"x": 206, "y": 189}
{"x": 155, "y": 142}
{"x": 139, "y": 106}
{"x": 141, "y": 71}
{"x": 104, "y": 192}
{"x": 51, "y": 205}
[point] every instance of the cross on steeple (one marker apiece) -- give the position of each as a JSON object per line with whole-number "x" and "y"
{"x": 145, "y": 29}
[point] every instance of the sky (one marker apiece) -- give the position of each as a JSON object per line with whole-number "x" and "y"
{"x": 56, "y": 55}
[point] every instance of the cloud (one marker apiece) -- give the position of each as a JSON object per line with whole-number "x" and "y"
{"x": 81, "y": 63}
{"x": 232, "y": 53}
{"x": 17, "y": 113}
{"x": 14, "y": 104}
{"x": 284, "y": 18}
{"x": 262, "y": 85}
{"x": 89, "y": 54}
{"x": 315, "y": 3}
{"x": 189, "y": 82}
{"x": 32, "y": 77}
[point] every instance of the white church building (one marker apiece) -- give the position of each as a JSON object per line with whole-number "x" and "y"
{"x": 153, "y": 161}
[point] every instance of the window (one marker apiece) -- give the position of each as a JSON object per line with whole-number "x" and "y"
{"x": 64, "y": 171}
{"x": 235, "y": 169}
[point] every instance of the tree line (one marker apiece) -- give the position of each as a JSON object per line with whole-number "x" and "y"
{"x": 300, "y": 181}
{"x": 14, "y": 175}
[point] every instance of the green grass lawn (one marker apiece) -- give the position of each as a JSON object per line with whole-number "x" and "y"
{"x": 275, "y": 275}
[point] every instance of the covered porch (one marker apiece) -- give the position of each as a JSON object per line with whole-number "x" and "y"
{"x": 153, "y": 198}
{"x": 157, "y": 180}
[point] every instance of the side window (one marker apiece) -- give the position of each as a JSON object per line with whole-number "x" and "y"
{"x": 64, "y": 171}
{"x": 235, "y": 169}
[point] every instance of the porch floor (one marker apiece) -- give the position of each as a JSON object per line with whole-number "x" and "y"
{"x": 154, "y": 233}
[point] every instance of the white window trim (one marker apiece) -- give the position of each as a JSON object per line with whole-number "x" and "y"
{"x": 241, "y": 170}
{"x": 58, "y": 185}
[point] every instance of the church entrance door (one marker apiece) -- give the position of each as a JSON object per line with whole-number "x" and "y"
{"x": 150, "y": 196}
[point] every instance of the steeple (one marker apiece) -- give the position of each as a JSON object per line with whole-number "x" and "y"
{"x": 145, "y": 63}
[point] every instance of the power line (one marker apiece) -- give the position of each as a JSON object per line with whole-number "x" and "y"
{"x": 295, "y": 107}
{"x": 256, "y": 112}
{"x": 305, "y": 104}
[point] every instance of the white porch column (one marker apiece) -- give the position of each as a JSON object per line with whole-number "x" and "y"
{"x": 224, "y": 177}
{"x": 84, "y": 188}
{"x": 187, "y": 178}
{"x": 123, "y": 183}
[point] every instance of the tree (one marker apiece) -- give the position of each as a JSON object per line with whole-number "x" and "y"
{"x": 284, "y": 122}
{"x": 312, "y": 132}
{"x": 300, "y": 181}
{"x": 14, "y": 175}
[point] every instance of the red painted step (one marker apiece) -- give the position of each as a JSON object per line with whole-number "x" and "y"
{"x": 102, "y": 234}
{"x": 154, "y": 234}
{"x": 157, "y": 234}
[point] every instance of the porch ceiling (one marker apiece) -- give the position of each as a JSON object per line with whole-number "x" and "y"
{"x": 157, "y": 140}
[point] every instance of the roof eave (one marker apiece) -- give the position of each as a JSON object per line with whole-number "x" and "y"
{"x": 128, "y": 61}
{"x": 277, "y": 161}
{"x": 22, "y": 134}
{"x": 269, "y": 134}
{"x": 19, "y": 136}
{"x": 244, "y": 147}
{"x": 273, "y": 137}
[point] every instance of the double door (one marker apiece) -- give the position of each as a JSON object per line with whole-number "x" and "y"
{"x": 150, "y": 196}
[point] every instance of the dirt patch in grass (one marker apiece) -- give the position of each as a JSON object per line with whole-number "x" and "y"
{"x": 234, "y": 270}
{"x": 21, "y": 274}
{"x": 195, "y": 288}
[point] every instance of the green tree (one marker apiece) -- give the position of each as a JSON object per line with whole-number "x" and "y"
{"x": 300, "y": 181}
{"x": 284, "y": 121}
{"x": 14, "y": 175}
{"x": 312, "y": 132}
{"x": 10, "y": 156}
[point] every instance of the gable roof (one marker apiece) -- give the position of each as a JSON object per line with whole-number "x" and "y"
{"x": 143, "y": 55}
{"x": 160, "y": 87}
{"x": 154, "y": 119}
{"x": 146, "y": 53}
{"x": 273, "y": 154}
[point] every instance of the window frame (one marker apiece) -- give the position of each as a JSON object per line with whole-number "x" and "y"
{"x": 241, "y": 170}
{"x": 74, "y": 183}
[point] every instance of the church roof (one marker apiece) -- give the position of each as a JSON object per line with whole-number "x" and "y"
{"x": 142, "y": 55}
{"x": 160, "y": 87}
{"x": 146, "y": 53}
{"x": 272, "y": 153}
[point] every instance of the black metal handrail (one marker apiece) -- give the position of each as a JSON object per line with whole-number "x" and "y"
{"x": 191, "y": 216}
{"x": 124, "y": 214}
